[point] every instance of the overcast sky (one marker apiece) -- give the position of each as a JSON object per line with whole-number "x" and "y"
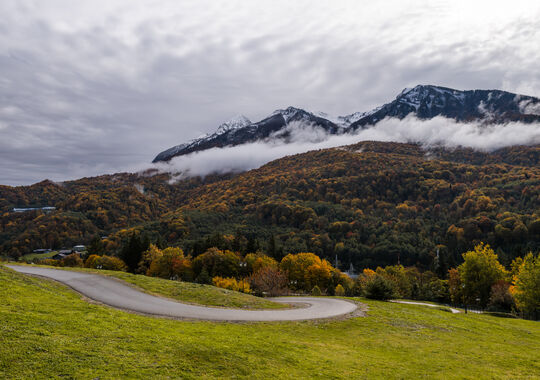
{"x": 94, "y": 87}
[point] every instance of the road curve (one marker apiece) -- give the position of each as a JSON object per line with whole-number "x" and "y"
{"x": 118, "y": 294}
{"x": 454, "y": 311}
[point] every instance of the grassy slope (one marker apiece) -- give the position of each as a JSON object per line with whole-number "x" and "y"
{"x": 46, "y": 330}
{"x": 188, "y": 292}
{"x": 32, "y": 256}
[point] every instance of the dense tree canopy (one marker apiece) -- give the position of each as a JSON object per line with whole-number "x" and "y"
{"x": 371, "y": 204}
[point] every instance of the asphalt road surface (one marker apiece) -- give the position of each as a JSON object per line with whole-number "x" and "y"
{"x": 118, "y": 294}
{"x": 454, "y": 311}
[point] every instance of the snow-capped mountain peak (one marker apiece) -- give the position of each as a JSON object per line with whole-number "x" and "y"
{"x": 423, "y": 101}
{"x": 236, "y": 122}
{"x": 427, "y": 93}
{"x": 288, "y": 113}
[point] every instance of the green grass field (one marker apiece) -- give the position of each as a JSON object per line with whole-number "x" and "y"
{"x": 48, "y": 331}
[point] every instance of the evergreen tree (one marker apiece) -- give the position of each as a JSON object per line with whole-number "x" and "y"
{"x": 132, "y": 251}
{"x": 379, "y": 288}
{"x": 252, "y": 245}
{"x": 204, "y": 277}
{"x": 272, "y": 248}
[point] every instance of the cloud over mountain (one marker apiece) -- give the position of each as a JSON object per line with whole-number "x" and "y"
{"x": 435, "y": 132}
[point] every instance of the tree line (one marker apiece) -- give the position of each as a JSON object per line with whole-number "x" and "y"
{"x": 480, "y": 281}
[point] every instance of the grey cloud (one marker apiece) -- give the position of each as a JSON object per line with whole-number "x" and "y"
{"x": 104, "y": 85}
{"x": 438, "y": 131}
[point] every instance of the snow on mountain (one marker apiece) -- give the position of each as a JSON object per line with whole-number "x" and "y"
{"x": 236, "y": 122}
{"x": 424, "y": 101}
{"x": 354, "y": 117}
{"x": 427, "y": 101}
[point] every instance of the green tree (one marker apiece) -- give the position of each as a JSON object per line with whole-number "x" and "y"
{"x": 132, "y": 251}
{"x": 479, "y": 272}
{"x": 217, "y": 263}
{"x": 379, "y": 288}
{"x": 526, "y": 288}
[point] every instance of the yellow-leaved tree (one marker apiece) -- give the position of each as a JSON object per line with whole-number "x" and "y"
{"x": 526, "y": 286}
{"x": 479, "y": 272}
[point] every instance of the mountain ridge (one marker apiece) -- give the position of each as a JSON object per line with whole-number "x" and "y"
{"x": 424, "y": 101}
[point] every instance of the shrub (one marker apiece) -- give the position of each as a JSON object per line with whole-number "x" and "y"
{"x": 345, "y": 281}
{"x": 105, "y": 262}
{"x": 92, "y": 261}
{"x": 73, "y": 260}
{"x": 113, "y": 263}
{"x": 339, "y": 291}
{"x": 379, "y": 288}
{"x": 232, "y": 284}
{"x": 436, "y": 290}
{"x": 316, "y": 291}
{"x": 51, "y": 262}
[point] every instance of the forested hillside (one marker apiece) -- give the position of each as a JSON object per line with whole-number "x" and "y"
{"x": 370, "y": 204}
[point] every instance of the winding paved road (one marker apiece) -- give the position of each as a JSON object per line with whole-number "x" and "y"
{"x": 454, "y": 311}
{"x": 118, "y": 294}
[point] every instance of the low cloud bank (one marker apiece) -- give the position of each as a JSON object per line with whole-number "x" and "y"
{"x": 438, "y": 131}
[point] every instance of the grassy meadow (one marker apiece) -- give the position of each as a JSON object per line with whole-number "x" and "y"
{"x": 48, "y": 331}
